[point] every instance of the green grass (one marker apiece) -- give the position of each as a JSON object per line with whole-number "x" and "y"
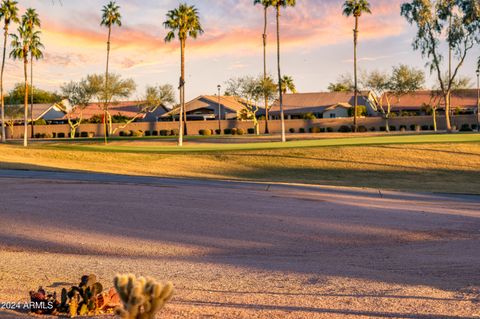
{"x": 434, "y": 162}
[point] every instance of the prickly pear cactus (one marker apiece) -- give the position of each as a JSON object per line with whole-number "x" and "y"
{"x": 141, "y": 297}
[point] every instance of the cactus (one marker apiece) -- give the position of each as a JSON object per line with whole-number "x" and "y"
{"x": 141, "y": 297}
{"x": 83, "y": 298}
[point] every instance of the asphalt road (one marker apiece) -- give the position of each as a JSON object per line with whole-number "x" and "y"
{"x": 245, "y": 250}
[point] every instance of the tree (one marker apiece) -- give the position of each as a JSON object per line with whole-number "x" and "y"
{"x": 278, "y": 4}
{"x": 402, "y": 81}
{"x": 110, "y": 16}
{"x": 12, "y": 113}
{"x": 270, "y": 92}
{"x": 79, "y": 95}
{"x": 16, "y": 95}
{"x": 108, "y": 93}
{"x": 288, "y": 85}
{"x": 36, "y": 53}
{"x": 344, "y": 83}
{"x": 460, "y": 21}
{"x": 248, "y": 91}
{"x": 9, "y": 14}
{"x": 183, "y": 22}
{"x": 355, "y": 8}
{"x": 20, "y": 51}
{"x": 266, "y": 4}
{"x": 155, "y": 96}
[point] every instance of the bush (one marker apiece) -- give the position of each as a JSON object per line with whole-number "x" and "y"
{"x": 234, "y": 131}
{"x": 361, "y": 111}
{"x": 164, "y": 132}
{"x": 392, "y": 128}
{"x": 362, "y": 129}
{"x": 315, "y": 129}
{"x": 403, "y": 128}
{"x": 218, "y": 132}
{"x": 465, "y": 128}
{"x": 137, "y": 133}
{"x": 309, "y": 116}
{"x": 251, "y": 131}
{"x": 329, "y": 129}
{"x": 292, "y": 130}
{"x": 413, "y": 127}
{"x": 383, "y": 128}
{"x": 84, "y": 134}
{"x": 240, "y": 131}
{"x": 227, "y": 131}
{"x": 474, "y": 127}
{"x": 154, "y": 133}
{"x": 205, "y": 132}
{"x": 124, "y": 133}
{"x": 148, "y": 133}
{"x": 47, "y": 135}
{"x": 373, "y": 129}
{"x": 61, "y": 135}
{"x": 301, "y": 130}
{"x": 91, "y": 134}
{"x": 345, "y": 129}
{"x": 425, "y": 127}
{"x": 174, "y": 132}
{"x": 40, "y": 122}
{"x": 323, "y": 130}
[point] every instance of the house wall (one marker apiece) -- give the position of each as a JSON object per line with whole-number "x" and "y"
{"x": 338, "y": 111}
{"x": 275, "y": 126}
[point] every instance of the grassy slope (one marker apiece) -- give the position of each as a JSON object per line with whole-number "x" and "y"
{"x": 448, "y": 163}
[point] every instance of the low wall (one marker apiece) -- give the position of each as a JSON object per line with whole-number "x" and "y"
{"x": 194, "y": 127}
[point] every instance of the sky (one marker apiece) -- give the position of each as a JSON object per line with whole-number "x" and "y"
{"x": 317, "y": 43}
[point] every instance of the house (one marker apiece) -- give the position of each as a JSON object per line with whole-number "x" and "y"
{"x": 321, "y": 104}
{"x": 206, "y": 107}
{"x": 127, "y": 109}
{"x": 465, "y": 101}
{"x": 50, "y": 113}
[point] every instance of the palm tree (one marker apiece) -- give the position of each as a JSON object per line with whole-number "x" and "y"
{"x": 110, "y": 16}
{"x": 9, "y": 14}
{"x": 20, "y": 51}
{"x": 288, "y": 85}
{"x": 278, "y": 4}
{"x": 355, "y": 8}
{"x": 182, "y": 22}
{"x": 32, "y": 19}
{"x": 266, "y": 4}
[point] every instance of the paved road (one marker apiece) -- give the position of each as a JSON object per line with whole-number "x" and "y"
{"x": 245, "y": 250}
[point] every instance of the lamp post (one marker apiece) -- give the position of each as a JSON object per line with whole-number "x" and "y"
{"x": 478, "y": 99}
{"x": 219, "y": 87}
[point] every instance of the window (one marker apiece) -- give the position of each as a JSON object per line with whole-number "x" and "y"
{"x": 333, "y": 115}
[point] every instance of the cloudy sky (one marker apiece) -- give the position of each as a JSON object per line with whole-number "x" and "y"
{"x": 317, "y": 43}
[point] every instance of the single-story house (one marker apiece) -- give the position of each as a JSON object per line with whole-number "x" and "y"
{"x": 321, "y": 104}
{"x": 51, "y": 113}
{"x": 463, "y": 100}
{"x": 128, "y": 109}
{"x": 206, "y": 107}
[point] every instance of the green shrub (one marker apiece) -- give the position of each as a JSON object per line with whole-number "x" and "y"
{"x": 362, "y": 129}
{"x": 315, "y": 129}
{"x": 474, "y": 127}
{"x": 148, "y": 133}
{"x": 164, "y": 132}
{"x": 218, "y": 132}
{"x": 47, "y": 135}
{"x": 372, "y": 129}
{"x": 383, "y": 128}
{"x": 227, "y": 131}
{"x": 301, "y": 130}
{"x": 240, "y": 131}
{"x": 61, "y": 135}
{"x": 309, "y": 116}
{"x": 292, "y": 130}
{"x": 83, "y": 134}
{"x": 234, "y": 131}
{"x": 345, "y": 129}
{"x": 392, "y": 128}
{"x": 205, "y": 132}
{"x": 425, "y": 127}
{"x": 251, "y": 131}
{"x": 465, "y": 128}
{"x": 413, "y": 127}
{"x": 174, "y": 132}
{"x": 40, "y": 122}
{"x": 403, "y": 128}
{"x": 137, "y": 133}
{"x": 154, "y": 133}
{"x": 361, "y": 111}
{"x": 329, "y": 129}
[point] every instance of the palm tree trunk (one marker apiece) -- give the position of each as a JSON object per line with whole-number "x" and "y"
{"x": 282, "y": 115}
{"x": 182, "y": 93}
{"x": 449, "y": 93}
{"x": 32, "y": 135}
{"x": 25, "y": 118}
{"x": 265, "y": 66}
{"x": 105, "y": 106}
{"x": 185, "y": 120}
{"x": 447, "y": 111}
{"x": 5, "y": 35}
{"x": 355, "y": 106}
{"x": 434, "y": 114}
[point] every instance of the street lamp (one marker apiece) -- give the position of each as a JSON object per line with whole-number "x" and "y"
{"x": 219, "y": 87}
{"x": 478, "y": 99}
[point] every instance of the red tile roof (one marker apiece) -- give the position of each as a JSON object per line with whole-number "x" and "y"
{"x": 464, "y": 99}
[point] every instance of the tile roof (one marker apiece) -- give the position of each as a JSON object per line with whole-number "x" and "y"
{"x": 415, "y": 101}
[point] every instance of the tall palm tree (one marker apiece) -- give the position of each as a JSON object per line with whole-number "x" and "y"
{"x": 9, "y": 14}
{"x": 32, "y": 20}
{"x": 110, "y": 16}
{"x": 355, "y": 8}
{"x": 20, "y": 51}
{"x": 278, "y": 4}
{"x": 288, "y": 85}
{"x": 266, "y": 4}
{"x": 182, "y": 22}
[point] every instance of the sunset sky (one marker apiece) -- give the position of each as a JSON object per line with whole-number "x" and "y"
{"x": 317, "y": 43}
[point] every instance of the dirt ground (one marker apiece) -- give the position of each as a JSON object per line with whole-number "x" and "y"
{"x": 238, "y": 250}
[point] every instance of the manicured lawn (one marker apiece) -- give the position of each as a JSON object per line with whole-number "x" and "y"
{"x": 441, "y": 163}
